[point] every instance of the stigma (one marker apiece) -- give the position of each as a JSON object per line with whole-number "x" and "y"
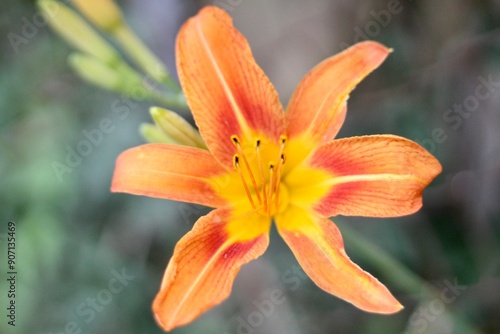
{"x": 259, "y": 165}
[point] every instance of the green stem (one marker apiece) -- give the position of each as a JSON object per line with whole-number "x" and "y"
{"x": 144, "y": 58}
{"x": 132, "y": 81}
{"x": 400, "y": 276}
{"x": 175, "y": 101}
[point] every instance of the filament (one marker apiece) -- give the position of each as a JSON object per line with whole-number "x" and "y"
{"x": 261, "y": 170}
{"x": 236, "y": 142}
{"x": 278, "y": 178}
{"x": 236, "y": 162}
{"x": 266, "y": 192}
{"x": 271, "y": 187}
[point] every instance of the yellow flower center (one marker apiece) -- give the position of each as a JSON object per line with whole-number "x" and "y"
{"x": 260, "y": 170}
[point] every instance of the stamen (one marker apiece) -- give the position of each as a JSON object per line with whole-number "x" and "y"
{"x": 271, "y": 186}
{"x": 278, "y": 178}
{"x": 236, "y": 143}
{"x": 283, "y": 140}
{"x": 261, "y": 171}
{"x": 236, "y": 163}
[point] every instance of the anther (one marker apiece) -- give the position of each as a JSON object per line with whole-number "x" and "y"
{"x": 283, "y": 140}
{"x": 235, "y": 140}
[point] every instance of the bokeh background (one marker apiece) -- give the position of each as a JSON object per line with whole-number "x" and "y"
{"x": 440, "y": 87}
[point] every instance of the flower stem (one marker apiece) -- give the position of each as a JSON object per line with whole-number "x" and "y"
{"x": 134, "y": 82}
{"x": 400, "y": 276}
{"x": 175, "y": 101}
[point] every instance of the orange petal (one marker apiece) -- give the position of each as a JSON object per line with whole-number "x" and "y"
{"x": 376, "y": 176}
{"x": 318, "y": 106}
{"x": 204, "y": 265}
{"x": 226, "y": 90}
{"x": 318, "y": 246}
{"x": 178, "y": 173}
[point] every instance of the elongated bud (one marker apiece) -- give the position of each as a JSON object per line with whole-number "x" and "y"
{"x": 105, "y": 14}
{"x": 177, "y": 127}
{"x": 119, "y": 78}
{"x": 96, "y": 72}
{"x": 141, "y": 55}
{"x": 153, "y": 134}
{"x": 76, "y": 31}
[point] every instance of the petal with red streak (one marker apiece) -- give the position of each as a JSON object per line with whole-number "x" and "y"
{"x": 226, "y": 90}
{"x": 172, "y": 172}
{"x": 318, "y": 106}
{"x": 205, "y": 264}
{"x": 375, "y": 176}
{"x": 318, "y": 246}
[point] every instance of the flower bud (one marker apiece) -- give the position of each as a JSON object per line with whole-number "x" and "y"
{"x": 177, "y": 128}
{"x": 76, "y": 31}
{"x": 96, "y": 72}
{"x": 105, "y": 14}
{"x": 153, "y": 134}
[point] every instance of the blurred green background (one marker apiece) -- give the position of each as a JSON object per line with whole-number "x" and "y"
{"x": 440, "y": 87}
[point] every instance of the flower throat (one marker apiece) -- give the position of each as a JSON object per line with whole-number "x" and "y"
{"x": 263, "y": 192}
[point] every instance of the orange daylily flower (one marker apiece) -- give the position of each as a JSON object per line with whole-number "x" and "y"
{"x": 263, "y": 164}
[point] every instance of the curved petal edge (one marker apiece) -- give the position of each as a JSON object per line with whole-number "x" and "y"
{"x": 226, "y": 90}
{"x": 178, "y": 173}
{"x": 318, "y": 246}
{"x": 205, "y": 263}
{"x": 318, "y": 106}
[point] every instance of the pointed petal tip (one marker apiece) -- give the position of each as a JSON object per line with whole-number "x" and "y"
{"x": 205, "y": 263}
{"x": 113, "y": 188}
{"x": 158, "y": 320}
{"x": 319, "y": 248}
{"x": 317, "y": 108}
{"x": 378, "y": 300}
{"x": 436, "y": 166}
{"x": 376, "y": 176}
{"x": 178, "y": 173}
{"x": 375, "y": 48}
{"x": 117, "y": 187}
{"x": 391, "y": 306}
{"x": 226, "y": 90}
{"x": 400, "y": 308}
{"x": 166, "y": 326}
{"x": 432, "y": 166}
